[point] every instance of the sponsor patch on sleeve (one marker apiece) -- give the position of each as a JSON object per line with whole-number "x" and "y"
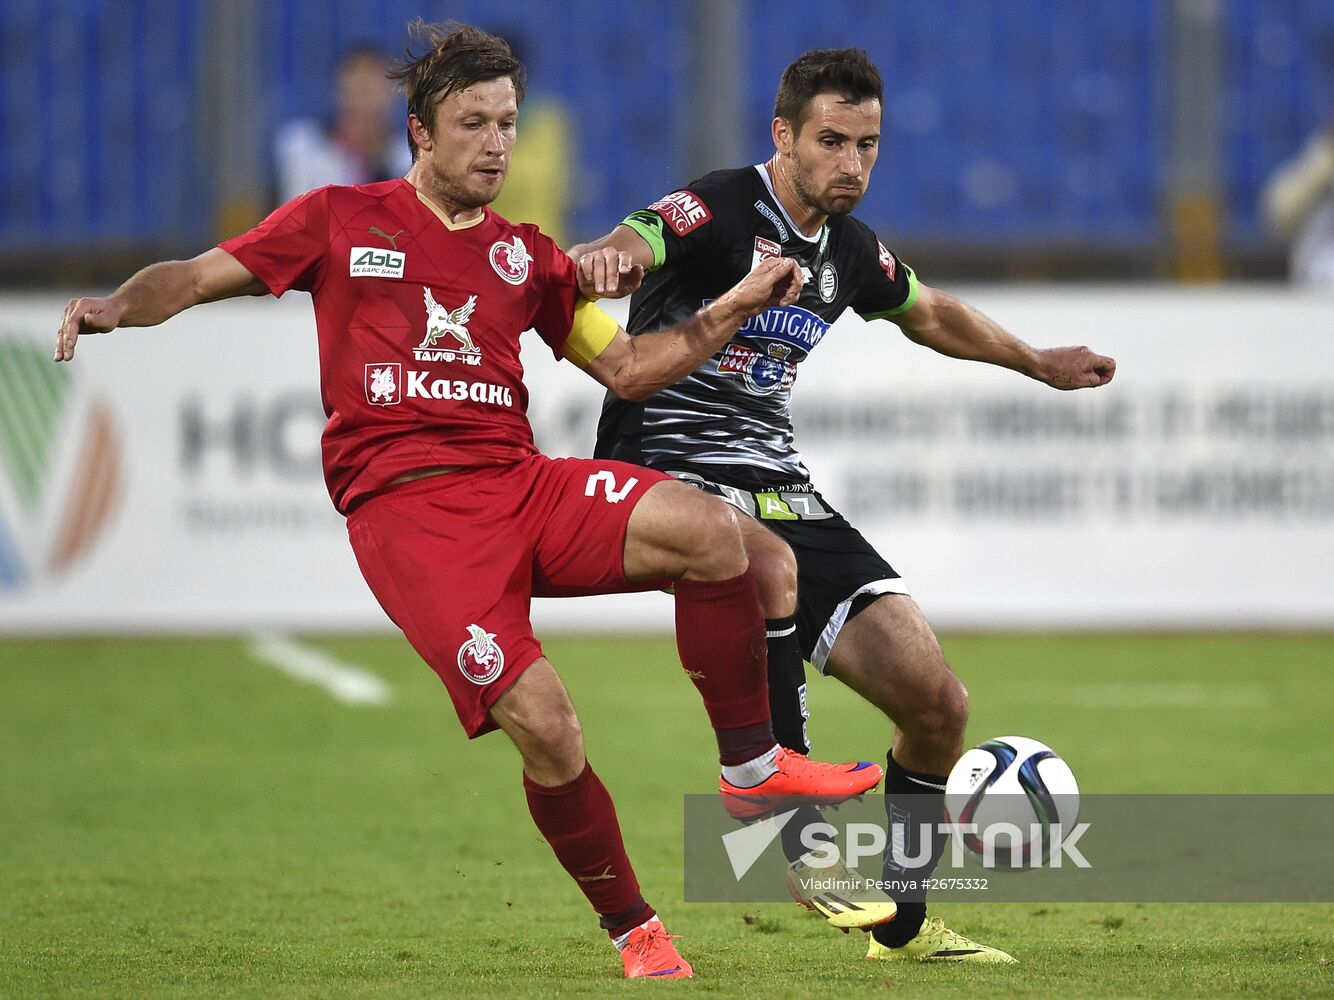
{"x": 683, "y": 211}
{"x": 887, "y": 260}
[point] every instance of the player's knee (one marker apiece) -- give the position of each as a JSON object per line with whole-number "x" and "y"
{"x": 713, "y": 540}
{"x": 956, "y": 709}
{"x": 775, "y": 569}
{"x": 942, "y": 720}
{"x": 555, "y": 755}
{"x": 545, "y": 729}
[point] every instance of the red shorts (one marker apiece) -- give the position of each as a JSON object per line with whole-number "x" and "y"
{"x": 455, "y": 559}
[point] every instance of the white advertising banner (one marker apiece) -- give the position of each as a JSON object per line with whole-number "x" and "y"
{"x": 170, "y": 479}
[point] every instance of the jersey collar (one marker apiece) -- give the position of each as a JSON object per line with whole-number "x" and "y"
{"x": 453, "y": 226}
{"x": 768, "y": 184}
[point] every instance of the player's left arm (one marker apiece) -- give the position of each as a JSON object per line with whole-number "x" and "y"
{"x": 952, "y": 327}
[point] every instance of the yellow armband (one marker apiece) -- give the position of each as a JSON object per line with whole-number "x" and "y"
{"x": 590, "y": 333}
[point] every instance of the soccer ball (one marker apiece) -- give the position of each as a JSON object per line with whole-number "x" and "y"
{"x": 1006, "y": 799}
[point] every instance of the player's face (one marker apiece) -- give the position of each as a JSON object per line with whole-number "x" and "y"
{"x": 470, "y": 146}
{"x": 832, "y": 155}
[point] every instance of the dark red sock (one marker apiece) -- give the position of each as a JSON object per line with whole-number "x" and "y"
{"x": 720, "y": 637}
{"x": 579, "y": 822}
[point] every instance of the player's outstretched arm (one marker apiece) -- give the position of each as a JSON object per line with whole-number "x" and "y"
{"x": 156, "y": 294}
{"x": 635, "y": 368}
{"x": 612, "y": 267}
{"x": 952, "y": 327}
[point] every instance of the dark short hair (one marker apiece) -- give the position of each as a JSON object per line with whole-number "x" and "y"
{"x": 846, "y": 72}
{"x": 456, "y": 56}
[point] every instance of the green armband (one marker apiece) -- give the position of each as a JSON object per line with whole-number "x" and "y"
{"x": 649, "y": 225}
{"x": 905, "y": 305}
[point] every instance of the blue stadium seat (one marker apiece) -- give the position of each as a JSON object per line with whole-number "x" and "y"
{"x": 1034, "y": 120}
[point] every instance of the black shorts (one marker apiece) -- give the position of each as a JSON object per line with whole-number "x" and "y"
{"x": 836, "y": 566}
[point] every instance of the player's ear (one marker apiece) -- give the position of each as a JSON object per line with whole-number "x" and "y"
{"x": 421, "y": 135}
{"x": 781, "y": 130}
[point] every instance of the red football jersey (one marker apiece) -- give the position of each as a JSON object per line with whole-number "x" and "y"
{"x": 418, "y": 326}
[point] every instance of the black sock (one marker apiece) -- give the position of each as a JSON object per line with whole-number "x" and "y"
{"x": 787, "y": 705}
{"x": 912, "y": 800}
{"x": 793, "y": 848}
{"x": 787, "y": 684}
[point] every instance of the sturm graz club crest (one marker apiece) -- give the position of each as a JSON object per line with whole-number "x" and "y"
{"x": 828, "y": 282}
{"x": 480, "y": 659}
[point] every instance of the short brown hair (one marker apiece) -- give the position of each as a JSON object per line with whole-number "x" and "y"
{"x": 456, "y": 57}
{"x": 846, "y": 72}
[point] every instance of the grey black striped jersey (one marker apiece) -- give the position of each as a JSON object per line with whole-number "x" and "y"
{"x": 733, "y": 411}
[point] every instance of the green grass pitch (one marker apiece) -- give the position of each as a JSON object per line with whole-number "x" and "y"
{"x": 177, "y": 819}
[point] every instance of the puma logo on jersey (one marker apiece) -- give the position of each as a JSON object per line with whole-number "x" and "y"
{"x": 393, "y": 240}
{"x": 606, "y": 876}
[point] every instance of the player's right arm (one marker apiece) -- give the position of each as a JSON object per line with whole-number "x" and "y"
{"x": 156, "y": 294}
{"x": 635, "y": 368}
{"x": 286, "y": 250}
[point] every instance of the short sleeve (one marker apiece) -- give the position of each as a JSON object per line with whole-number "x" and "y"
{"x": 288, "y": 249}
{"x": 677, "y": 224}
{"x": 889, "y": 287}
{"x": 560, "y": 288}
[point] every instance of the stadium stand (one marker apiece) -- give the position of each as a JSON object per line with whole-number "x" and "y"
{"x": 1035, "y": 128}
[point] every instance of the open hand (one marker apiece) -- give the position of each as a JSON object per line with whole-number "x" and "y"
{"x": 84, "y": 316}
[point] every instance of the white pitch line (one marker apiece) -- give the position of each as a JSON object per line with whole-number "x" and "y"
{"x": 347, "y": 683}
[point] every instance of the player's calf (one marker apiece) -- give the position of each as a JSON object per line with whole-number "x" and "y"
{"x": 537, "y": 715}
{"x": 775, "y": 568}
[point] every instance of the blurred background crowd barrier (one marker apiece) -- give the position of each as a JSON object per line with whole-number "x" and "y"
{"x": 1031, "y": 138}
{"x": 170, "y": 479}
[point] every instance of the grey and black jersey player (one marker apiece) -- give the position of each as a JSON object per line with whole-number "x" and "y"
{"x": 827, "y": 594}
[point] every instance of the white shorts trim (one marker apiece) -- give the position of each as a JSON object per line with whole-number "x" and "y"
{"x": 839, "y": 618}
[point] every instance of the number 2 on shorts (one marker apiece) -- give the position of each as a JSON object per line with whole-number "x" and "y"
{"x": 609, "y": 490}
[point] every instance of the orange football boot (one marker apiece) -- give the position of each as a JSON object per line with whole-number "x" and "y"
{"x": 650, "y": 954}
{"x": 799, "y": 781}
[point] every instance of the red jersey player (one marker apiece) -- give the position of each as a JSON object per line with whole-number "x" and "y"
{"x": 456, "y": 519}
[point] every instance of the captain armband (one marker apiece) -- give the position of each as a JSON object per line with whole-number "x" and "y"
{"x": 590, "y": 333}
